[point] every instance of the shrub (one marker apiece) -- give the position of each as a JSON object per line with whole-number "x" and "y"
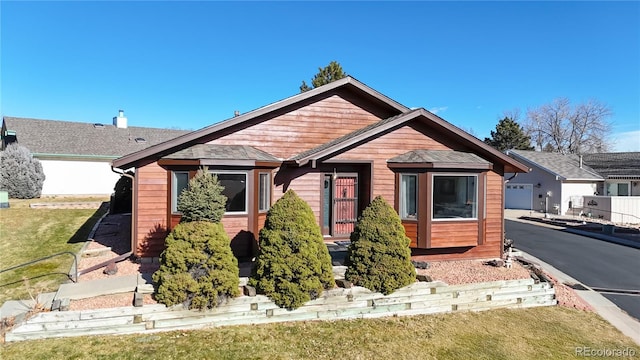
{"x": 293, "y": 264}
{"x": 122, "y": 195}
{"x": 379, "y": 257}
{"x": 21, "y": 174}
{"x": 203, "y": 199}
{"x": 197, "y": 268}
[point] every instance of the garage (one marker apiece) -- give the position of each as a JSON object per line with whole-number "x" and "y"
{"x": 518, "y": 196}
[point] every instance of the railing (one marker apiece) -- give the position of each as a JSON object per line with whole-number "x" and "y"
{"x": 591, "y": 210}
{"x": 73, "y": 278}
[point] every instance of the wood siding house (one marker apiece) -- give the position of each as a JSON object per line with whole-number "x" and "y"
{"x": 338, "y": 146}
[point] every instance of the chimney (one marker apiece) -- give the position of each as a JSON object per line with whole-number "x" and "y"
{"x": 236, "y": 113}
{"x": 120, "y": 121}
{"x": 580, "y": 161}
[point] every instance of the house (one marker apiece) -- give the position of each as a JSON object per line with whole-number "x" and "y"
{"x": 556, "y": 183}
{"x": 620, "y": 200}
{"x": 338, "y": 146}
{"x": 75, "y": 156}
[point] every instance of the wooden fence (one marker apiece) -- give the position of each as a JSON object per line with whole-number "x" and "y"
{"x": 335, "y": 304}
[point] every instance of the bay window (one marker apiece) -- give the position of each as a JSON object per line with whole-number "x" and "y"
{"x": 179, "y": 182}
{"x": 455, "y": 197}
{"x": 409, "y": 196}
{"x": 235, "y": 189}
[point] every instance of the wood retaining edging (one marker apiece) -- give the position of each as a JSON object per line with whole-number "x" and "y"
{"x": 335, "y": 304}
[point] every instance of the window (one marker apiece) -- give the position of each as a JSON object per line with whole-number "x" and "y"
{"x": 235, "y": 189}
{"x": 409, "y": 196}
{"x": 618, "y": 189}
{"x": 455, "y": 197}
{"x": 179, "y": 182}
{"x": 264, "y": 191}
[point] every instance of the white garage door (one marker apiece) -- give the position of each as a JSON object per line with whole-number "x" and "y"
{"x": 518, "y": 196}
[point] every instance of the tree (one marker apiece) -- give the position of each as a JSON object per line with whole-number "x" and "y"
{"x": 203, "y": 199}
{"x": 329, "y": 73}
{"x": 509, "y": 135}
{"x": 567, "y": 129}
{"x": 379, "y": 257}
{"x": 197, "y": 269}
{"x": 21, "y": 175}
{"x": 293, "y": 264}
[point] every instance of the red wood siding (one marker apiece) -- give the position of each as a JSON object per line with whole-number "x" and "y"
{"x": 385, "y": 147}
{"x": 151, "y": 210}
{"x": 305, "y": 184}
{"x": 411, "y": 229}
{"x": 304, "y": 128}
{"x": 454, "y": 233}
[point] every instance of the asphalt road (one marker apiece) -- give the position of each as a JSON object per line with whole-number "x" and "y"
{"x": 593, "y": 262}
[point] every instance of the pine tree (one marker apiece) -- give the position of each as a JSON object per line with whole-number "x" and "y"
{"x": 203, "y": 199}
{"x": 329, "y": 73}
{"x": 21, "y": 175}
{"x": 509, "y": 135}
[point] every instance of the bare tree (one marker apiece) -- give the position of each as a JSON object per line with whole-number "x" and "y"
{"x": 559, "y": 127}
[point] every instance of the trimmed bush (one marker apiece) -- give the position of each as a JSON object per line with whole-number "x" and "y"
{"x": 197, "y": 268}
{"x": 203, "y": 199}
{"x": 293, "y": 264}
{"x": 122, "y": 195}
{"x": 21, "y": 174}
{"x": 379, "y": 257}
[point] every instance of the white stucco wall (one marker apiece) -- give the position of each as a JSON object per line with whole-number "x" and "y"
{"x": 543, "y": 183}
{"x": 570, "y": 189}
{"x": 78, "y": 177}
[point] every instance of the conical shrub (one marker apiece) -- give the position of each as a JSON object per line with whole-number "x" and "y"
{"x": 203, "y": 199}
{"x": 379, "y": 257}
{"x": 197, "y": 268}
{"x": 293, "y": 264}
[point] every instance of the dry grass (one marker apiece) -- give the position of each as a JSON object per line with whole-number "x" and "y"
{"x": 539, "y": 333}
{"x": 27, "y": 234}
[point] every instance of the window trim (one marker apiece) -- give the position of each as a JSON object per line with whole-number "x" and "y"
{"x": 476, "y": 197}
{"x": 401, "y": 197}
{"x": 267, "y": 192}
{"x": 246, "y": 192}
{"x": 174, "y": 190}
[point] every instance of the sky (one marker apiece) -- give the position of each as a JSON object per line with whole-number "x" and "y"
{"x": 187, "y": 65}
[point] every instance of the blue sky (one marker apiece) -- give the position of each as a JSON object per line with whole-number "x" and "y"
{"x": 190, "y": 64}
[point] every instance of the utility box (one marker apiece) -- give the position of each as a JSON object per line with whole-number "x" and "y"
{"x": 4, "y": 199}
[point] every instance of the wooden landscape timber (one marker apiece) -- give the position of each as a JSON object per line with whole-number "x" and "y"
{"x": 335, "y": 304}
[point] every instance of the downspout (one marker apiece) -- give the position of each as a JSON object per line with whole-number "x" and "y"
{"x": 130, "y": 252}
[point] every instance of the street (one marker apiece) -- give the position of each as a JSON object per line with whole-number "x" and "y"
{"x": 595, "y": 263}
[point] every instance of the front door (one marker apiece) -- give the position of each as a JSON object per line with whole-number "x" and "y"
{"x": 340, "y": 204}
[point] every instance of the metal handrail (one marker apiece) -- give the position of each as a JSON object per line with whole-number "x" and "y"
{"x": 609, "y": 211}
{"x": 75, "y": 264}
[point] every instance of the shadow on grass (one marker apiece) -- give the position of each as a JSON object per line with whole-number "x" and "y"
{"x": 83, "y": 232}
{"x": 22, "y": 279}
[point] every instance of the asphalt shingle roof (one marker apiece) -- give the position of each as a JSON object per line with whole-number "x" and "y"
{"x": 438, "y": 156}
{"x": 222, "y": 152}
{"x": 77, "y": 138}
{"x": 563, "y": 165}
{"x": 619, "y": 164}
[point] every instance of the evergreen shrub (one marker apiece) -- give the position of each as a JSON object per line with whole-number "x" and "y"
{"x": 293, "y": 264}
{"x": 21, "y": 175}
{"x": 197, "y": 268}
{"x": 122, "y": 192}
{"x": 203, "y": 199}
{"x": 379, "y": 257}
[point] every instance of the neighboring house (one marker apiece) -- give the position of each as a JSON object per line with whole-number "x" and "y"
{"x": 556, "y": 183}
{"x": 620, "y": 202}
{"x": 338, "y": 146}
{"x": 621, "y": 172}
{"x": 75, "y": 156}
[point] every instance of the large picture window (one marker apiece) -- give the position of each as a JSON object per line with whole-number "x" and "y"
{"x": 455, "y": 197}
{"x": 179, "y": 182}
{"x": 235, "y": 189}
{"x": 264, "y": 192}
{"x": 409, "y": 196}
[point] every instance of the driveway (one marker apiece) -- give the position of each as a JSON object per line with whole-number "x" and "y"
{"x": 594, "y": 263}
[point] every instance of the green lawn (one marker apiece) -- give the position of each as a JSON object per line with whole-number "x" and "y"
{"x": 538, "y": 333}
{"x": 27, "y": 234}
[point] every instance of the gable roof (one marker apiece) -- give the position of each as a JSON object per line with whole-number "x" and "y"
{"x": 348, "y": 83}
{"x": 361, "y": 135}
{"x": 564, "y": 166}
{"x": 618, "y": 165}
{"x": 76, "y": 139}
